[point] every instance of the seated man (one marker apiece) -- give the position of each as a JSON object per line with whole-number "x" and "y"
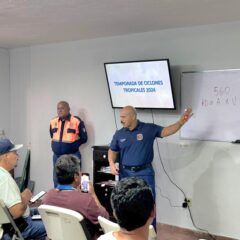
{"x": 134, "y": 208}
{"x": 16, "y": 202}
{"x": 68, "y": 193}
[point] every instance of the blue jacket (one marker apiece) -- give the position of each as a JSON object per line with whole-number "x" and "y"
{"x": 67, "y": 134}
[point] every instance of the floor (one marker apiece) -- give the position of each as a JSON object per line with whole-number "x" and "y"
{"x": 168, "y": 232}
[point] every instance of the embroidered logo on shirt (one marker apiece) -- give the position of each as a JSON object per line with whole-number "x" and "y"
{"x": 123, "y": 140}
{"x": 139, "y": 137}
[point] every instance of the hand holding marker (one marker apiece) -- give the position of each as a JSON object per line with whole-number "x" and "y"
{"x": 185, "y": 116}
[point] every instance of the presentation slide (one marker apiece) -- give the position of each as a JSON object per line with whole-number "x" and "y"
{"x": 140, "y": 84}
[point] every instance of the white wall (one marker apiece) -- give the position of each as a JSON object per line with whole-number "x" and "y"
{"x": 208, "y": 172}
{"x": 20, "y": 101}
{"x": 4, "y": 91}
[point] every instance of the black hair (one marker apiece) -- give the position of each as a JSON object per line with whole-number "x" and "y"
{"x": 66, "y": 167}
{"x": 132, "y": 202}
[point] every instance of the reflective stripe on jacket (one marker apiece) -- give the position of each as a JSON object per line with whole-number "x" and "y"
{"x": 70, "y": 131}
{"x": 67, "y": 135}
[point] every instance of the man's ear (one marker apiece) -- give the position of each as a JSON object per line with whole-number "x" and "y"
{"x": 76, "y": 177}
{"x": 114, "y": 214}
{"x": 152, "y": 215}
{"x": 2, "y": 157}
{"x": 153, "y": 212}
{"x": 134, "y": 116}
{"x": 6, "y": 156}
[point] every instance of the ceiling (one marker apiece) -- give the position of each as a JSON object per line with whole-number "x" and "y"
{"x": 32, "y": 22}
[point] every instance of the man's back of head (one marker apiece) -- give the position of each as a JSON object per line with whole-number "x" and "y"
{"x": 67, "y": 166}
{"x": 133, "y": 203}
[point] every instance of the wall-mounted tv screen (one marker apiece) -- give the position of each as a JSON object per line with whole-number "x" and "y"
{"x": 141, "y": 84}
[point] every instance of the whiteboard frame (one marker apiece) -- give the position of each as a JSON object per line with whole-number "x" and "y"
{"x": 184, "y": 107}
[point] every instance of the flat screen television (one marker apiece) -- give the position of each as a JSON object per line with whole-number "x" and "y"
{"x": 141, "y": 84}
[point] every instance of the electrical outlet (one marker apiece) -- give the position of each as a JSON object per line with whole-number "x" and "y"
{"x": 186, "y": 203}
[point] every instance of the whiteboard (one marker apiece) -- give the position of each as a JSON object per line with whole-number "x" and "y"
{"x": 215, "y": 99}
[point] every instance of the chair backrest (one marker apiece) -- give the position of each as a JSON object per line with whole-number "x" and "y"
{"x": 152, "y": 233}
{"x": 1, "y": 232}
{"x": 6, "y": 218}
{"x": 62, "y": 223}
{"x": 109, "y": 226}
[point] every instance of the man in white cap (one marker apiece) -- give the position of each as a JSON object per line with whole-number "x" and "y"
{"x": 16, "y": 202}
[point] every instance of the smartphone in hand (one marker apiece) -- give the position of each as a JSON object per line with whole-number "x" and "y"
{"x": 38, "y": 196}
{"x": 85, "y": 182}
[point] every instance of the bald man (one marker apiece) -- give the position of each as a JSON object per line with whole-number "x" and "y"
{"x": 134, "y": 145}
{"x": 68, "y": 133}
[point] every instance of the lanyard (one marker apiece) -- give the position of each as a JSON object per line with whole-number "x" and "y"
{"x": 65, "y": 187}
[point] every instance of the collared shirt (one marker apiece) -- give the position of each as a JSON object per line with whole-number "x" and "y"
{"x": 9, "y": 191}
{"x": 136, "y": 146}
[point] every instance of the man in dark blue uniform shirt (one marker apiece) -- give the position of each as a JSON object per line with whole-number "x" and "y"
{"x": 134, "y": 144}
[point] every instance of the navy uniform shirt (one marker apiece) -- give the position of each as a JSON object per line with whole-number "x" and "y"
{"x": 136, "y": 146}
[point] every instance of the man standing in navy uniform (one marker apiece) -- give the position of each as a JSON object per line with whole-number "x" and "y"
{"x": 68, "y": 133}
{"x": 134, "y": 144}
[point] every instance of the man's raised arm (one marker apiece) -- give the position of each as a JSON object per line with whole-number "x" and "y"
{"x": 167, "y": 131}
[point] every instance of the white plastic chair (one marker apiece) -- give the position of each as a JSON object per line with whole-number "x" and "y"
{"x": 109, "y": 226}
{"x": 6, "y": 217}
{"x": 62, "y": 223}
{"x": 152, "y": 233}
{"x": 1, "y": 232}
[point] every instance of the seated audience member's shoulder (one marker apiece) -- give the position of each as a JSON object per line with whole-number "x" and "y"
{"x": 107, "y": 236}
